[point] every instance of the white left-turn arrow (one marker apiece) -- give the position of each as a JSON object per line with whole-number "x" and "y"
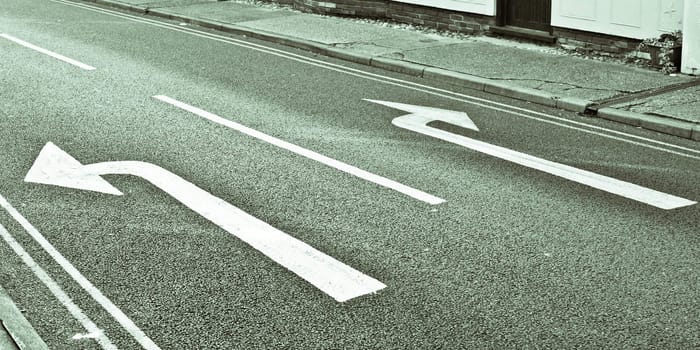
{"x": 53, "y": 166}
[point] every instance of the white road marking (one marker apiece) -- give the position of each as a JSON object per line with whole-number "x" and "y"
{"x": 55, "y": 167}
{"x": 47, "y": 52}
{"x": 91, "y": 335}
{"x": 497, "y": 106}
{"x": 420, "y": 116}
{"x": 379, "y": 180}
{"x": 51, "y": 284}
{"x": 78, "y": 277}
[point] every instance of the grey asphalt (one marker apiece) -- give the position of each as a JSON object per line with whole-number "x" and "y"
{"x": 515, "y": 258}
{"x": 533, "y": 73}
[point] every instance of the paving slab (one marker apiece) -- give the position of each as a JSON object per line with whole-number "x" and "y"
{"x": 325, "y": 30}
{"x": 681, "y": 104}
{"x": 580, "y": 77}
{"x": 406, "y": 40}
{"x": 369, "y": 49}
{"x": 227, "y": 12}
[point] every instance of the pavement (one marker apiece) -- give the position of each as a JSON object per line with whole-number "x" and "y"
{"x": 549, "y": 76}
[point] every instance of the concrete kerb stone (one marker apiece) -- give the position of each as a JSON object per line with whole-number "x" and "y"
{"x": 669, "y": 126}
{"x": 400, "y": 66}
{"x": 347, "y": 55}
{"x": 620, "y": 116}
{"x": 20, "y": 329}
{"x": 298, "y": 43}
{"x": 120, "y": 5}
{"x": 166, "y": 15}
{"x": 695, "y": 135}
{"x": 521, "y": 93}
{"x": 574, "y": 104}
{"x": 455, "y": 78}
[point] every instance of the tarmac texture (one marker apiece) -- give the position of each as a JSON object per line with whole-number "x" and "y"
{"x": 529, "y": 72}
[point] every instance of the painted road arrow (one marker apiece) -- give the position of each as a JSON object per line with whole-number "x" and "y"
{"x": 419, "y": 117}
{"x": 53, "y": 166}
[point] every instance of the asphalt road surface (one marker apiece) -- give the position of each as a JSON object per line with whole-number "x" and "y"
{"x": 484, "y": 253}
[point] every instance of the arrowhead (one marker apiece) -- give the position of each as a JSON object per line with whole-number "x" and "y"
{"x": 53, "y": 166}
{"x": 428, "y": 114}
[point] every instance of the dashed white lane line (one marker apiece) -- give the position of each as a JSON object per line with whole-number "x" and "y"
{"x": 47, "y": 52}
{"x": 78, "y": 277}
{"x": 379, "y": 180}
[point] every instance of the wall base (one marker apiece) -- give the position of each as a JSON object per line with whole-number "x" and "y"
{"x": 425, "y": 16}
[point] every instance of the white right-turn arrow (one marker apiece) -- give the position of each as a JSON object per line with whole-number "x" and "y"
{"x": 420, "y": 116}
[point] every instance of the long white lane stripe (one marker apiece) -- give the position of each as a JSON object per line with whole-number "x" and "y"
{"x": 501, "y": 107}
{"x": 379, "y": 180}
{"x": 47, "y": 52}
{"x": 622, "y": 188}
{"x": 56, "y": 290}
{"x": 78, "y": 277}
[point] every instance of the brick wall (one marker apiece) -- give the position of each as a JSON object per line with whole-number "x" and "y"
{"x": 357, "y": 8}
{"x": 588, "y": 41}
{"x": 439, "y": 19}
{"x": 399, "y": 12}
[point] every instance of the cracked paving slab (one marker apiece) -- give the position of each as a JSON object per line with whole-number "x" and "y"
{"x": 681, "y": 104}
{"x": 395, "y": 46}
{"x": 591, "y": 80}
{"x": 338, "y": 31}
{"x": 304, "y": 26}
{"x": 565, "y": 89}
{"x": 228, "y": 12}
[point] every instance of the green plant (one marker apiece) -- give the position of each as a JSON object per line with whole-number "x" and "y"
{"x": 665, "y": 40}
{"x": 665, "y": 50}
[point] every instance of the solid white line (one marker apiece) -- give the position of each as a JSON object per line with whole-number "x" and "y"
{"x": 95, "y": 293}
{"x": 47, "y": 52}
{"x": 379, "y": 180}
{"x": 497, "y": 106}
{"x": 56, "y": 290}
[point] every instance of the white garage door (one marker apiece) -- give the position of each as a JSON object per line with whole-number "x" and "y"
{"x": 483, "y": 7}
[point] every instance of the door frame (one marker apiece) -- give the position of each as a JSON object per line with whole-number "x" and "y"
{"x": 502, "y": 13}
